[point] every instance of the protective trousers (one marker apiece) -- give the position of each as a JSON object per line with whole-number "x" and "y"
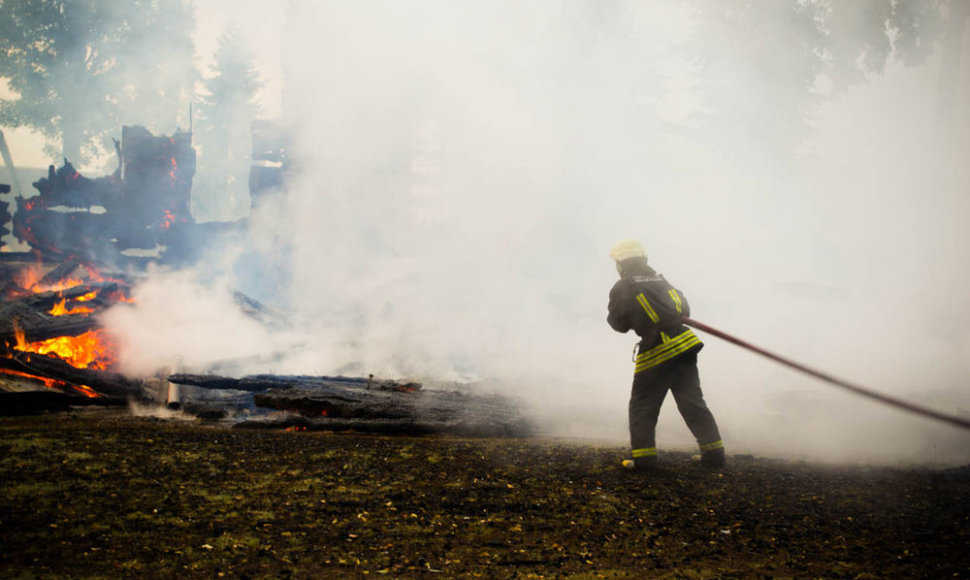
{"x": 649, "y": 390}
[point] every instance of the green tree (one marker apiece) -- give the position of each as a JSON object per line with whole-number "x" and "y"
{"x": 226, "y": 111}
{"x": 81, "y": 68}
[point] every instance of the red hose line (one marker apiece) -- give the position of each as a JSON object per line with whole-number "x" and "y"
{"x": 953, "y": 420}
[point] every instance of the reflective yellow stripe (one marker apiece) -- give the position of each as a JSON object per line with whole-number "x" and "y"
{"x": 667, "y": 350}
{"x": 683, "y": 338}
{"x": 712, "y": 446}
{"x": 673, "y": 294}
{"x": 665, "y": 355}
{"x": 645, "y": 452}
{"x": 649, "y": 309}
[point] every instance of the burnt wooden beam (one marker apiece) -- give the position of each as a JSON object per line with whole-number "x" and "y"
{"x": 104, "y": 382}
{"x": 371, "y": 405}
{"x": 37, "y": 328}
{"x": 257, "y": 383}
{"x": 59, "y": 272}
{"x": 338, "y": 401}
{"x": 31, "y": 314}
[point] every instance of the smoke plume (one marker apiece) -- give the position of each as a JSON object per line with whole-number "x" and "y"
{"x": 465, "y": 168}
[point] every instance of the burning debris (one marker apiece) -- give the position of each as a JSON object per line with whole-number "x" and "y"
{"x": 50, "y": 334}
{"x": 55, "y": 355}
{"x": 141, "y": 206}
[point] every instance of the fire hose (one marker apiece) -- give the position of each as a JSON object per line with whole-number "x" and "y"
{"x": 905, "y": 405}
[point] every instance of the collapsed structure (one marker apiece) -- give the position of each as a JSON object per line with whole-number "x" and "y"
{"x": 143, "y": 205}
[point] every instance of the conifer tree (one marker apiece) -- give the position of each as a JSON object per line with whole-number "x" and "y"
{"x": 223, "y": 132}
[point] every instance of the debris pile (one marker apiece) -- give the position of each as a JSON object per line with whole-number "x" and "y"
{"x": 51, "y": 340}
{"x": 142, "y": 206}
{"x": 54, "y": 355}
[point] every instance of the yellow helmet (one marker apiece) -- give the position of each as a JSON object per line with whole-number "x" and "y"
{"x": 628, "y": 249}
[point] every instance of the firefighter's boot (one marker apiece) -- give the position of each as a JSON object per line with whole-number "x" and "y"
{"x": 648, "y": 463}
{"x": 713, "y": 458}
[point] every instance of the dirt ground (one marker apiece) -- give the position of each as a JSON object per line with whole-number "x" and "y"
{"x": 98, "y": 494}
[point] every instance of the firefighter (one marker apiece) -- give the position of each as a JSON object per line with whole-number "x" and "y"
{"x": 666, "y": 357}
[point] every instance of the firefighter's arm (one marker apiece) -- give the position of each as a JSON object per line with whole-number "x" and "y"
{"x": 618, "y": 315}
{"x": 685, "y": 306}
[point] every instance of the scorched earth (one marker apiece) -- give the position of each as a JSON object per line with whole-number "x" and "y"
{"x": 98, "y": 493}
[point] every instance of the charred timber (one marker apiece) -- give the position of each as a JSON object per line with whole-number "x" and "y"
{"x": 256, "y": 383}
{"x": 59, "y": 272}
{"x": 107, "y": 383}
{"x": 39, "y": 328}
{"x": 372, "y": 405}
{"x": 341, "y": 402}
{"x": 30, "y": 314}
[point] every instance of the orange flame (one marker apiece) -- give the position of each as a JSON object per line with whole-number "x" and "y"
{"x": 85, "y": 297}
{"x": 62, "y": 285}
{"x": 19, "y": 333}
{"x": 87, "y": 391}
{"x": 50, "y": 383}
{"x": 95, "y": 275}
{"x": 120, "y": 296}
{"x": 29, "y": 277}
{"x": 60, "y": 309}
{"x": 94, "y": 349}
{"x": 167, "y": 221}
{"x": 54, "y": 383}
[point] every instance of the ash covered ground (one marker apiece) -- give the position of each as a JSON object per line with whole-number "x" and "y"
{"x": 102, "y": 494}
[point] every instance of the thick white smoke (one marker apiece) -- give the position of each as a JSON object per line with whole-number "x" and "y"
{"x": 466, "y": 167}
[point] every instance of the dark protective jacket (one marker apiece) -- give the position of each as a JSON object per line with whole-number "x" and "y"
{"x": 643, "y": 301}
